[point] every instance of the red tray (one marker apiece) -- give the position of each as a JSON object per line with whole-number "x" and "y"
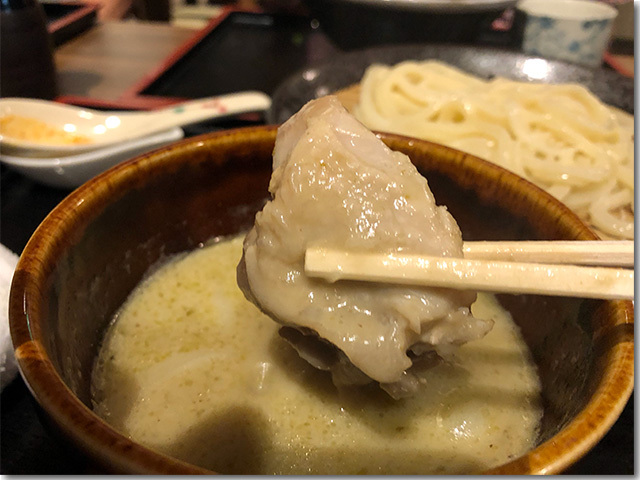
{"x": 66, "y": 19}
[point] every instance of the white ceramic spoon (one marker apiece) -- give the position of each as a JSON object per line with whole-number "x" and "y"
{"x": 108, "y": 128}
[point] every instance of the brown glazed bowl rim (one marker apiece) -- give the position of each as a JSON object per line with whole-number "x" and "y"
{"x": 101, "y": 442}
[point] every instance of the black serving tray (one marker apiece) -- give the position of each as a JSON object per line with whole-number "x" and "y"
{"x": 240, "y": 50}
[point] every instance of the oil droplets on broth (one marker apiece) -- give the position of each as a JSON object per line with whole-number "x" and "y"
{"x": 191, "y": 368}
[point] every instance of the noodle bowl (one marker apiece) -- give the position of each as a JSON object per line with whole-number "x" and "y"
{"x": 560, "y": 137}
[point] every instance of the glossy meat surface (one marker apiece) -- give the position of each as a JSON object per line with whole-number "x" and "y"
{"x": 335, "y": 184}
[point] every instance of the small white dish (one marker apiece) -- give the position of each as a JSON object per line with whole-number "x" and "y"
{"x": 73, "y": 170}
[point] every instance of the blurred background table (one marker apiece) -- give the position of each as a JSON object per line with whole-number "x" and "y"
{"x": 102, "y": 64}
{"x": 105, "y": 61}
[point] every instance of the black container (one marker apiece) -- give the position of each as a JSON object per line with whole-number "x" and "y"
{"x": 27, "y": 68}
{"x": 360, "y": 24}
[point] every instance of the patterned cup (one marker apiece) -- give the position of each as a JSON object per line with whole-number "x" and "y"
{"x": 577, "y": 31}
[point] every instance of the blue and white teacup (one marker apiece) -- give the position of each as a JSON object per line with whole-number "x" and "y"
{"x": 576, "y": 31}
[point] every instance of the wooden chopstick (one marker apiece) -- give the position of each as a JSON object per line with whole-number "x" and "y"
{"x": 614, "y": 253}
{"x": 470, "y": 274}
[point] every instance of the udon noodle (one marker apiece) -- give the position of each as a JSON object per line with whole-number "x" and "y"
{"x": 560, "y": 137}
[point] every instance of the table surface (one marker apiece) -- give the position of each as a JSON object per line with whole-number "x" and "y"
{"x": 108, "y": 59}
{"x": 103, "y": 63}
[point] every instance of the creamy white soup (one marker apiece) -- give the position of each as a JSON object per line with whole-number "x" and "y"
{"x": 189, "y": 367}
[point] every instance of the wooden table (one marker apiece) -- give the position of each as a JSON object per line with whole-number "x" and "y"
{"x": 105, "y": 61}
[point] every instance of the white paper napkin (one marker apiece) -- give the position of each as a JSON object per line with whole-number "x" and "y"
{"x": 8, "y": 365}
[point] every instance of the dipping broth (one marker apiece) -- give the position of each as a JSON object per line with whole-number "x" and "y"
{"x": 189, "y": 367}
{"x": 33, "y": 130}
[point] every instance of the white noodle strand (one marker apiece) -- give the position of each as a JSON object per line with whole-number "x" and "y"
{"x": 560, "y": 137}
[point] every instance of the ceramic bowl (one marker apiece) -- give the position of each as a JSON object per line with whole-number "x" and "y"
{"x": 96, "y": 245}
{"x": 575, "y": 31}
{"x": 72, "y": 171}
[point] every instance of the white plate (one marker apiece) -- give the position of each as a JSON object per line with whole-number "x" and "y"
{"x": 72, "y": 171}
